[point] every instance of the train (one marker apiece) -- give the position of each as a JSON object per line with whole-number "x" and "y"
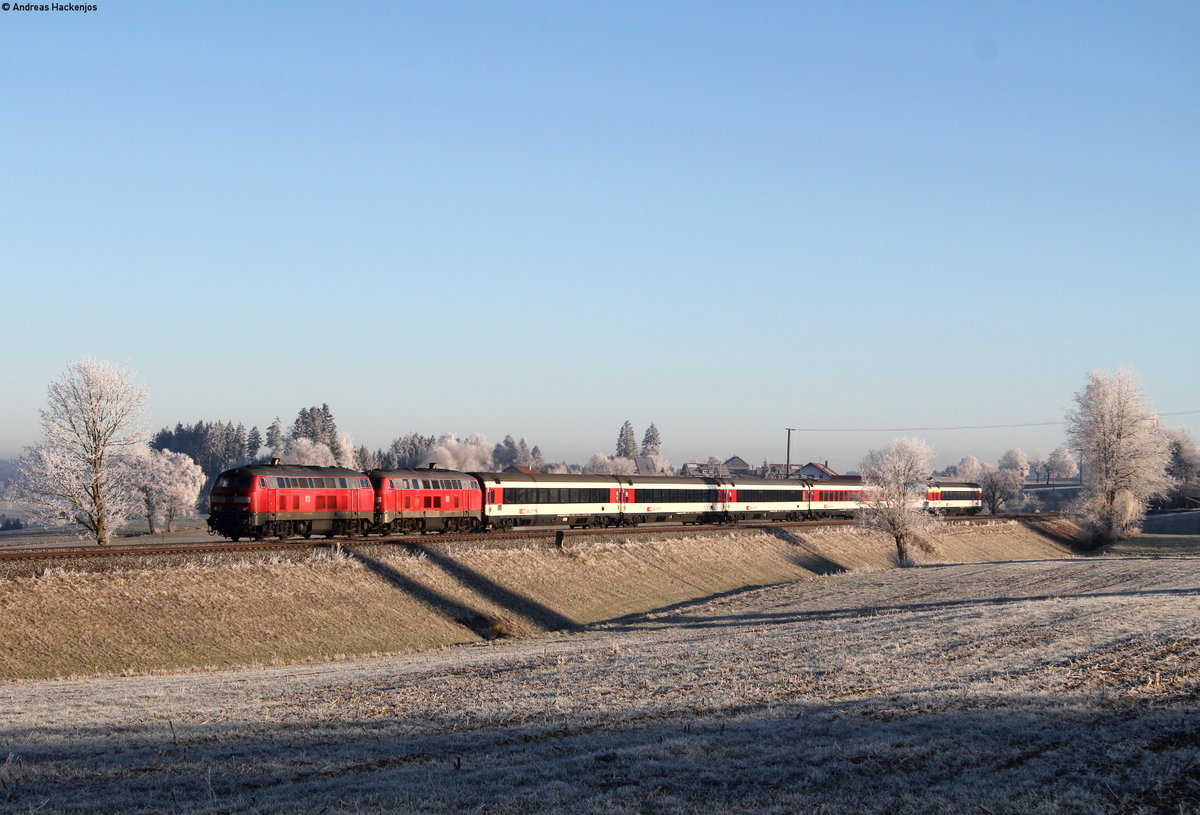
{"x": 285, "y": 500}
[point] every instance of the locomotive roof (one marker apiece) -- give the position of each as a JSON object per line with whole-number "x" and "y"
{"x": 419, "y": 473}
{"x": 300, "y": 470}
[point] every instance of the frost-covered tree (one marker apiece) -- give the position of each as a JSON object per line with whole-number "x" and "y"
{"x": 254, "y": 443}
{"x": 1017, "y": 461}
{"x": 408, "y": 451}
{"x": 364, "y": 459}
{"x": 1061, "y": 464}
{"x": 345, "y": 454}
{"x": 472, "y": 454}
{"x": 1124, "y": 453}
{"x": 275, "y": 438}
{"x": 524, "y": 457}
{"x": 1000, "y": 486}
{"x": 76, "y": 474}
{"x": 168, "y": 485}
{"x": 303, "y": 450}
{"x": 1037, "y": 466}
{"x": 506, "y": 453}
{"x": 652, "y": 441}
{"x": 1184, "y": 466}
{"x": 895, "y": 484}
{"x": 600, "y": 464}
{"x": 538, "y": 461}
{"x": 317, "y": 424}
{"x": 969, "y": 469}
{"x": 626, "y": 442}
{"x": 215, "y": 446}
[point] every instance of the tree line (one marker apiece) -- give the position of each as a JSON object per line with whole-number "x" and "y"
{"x": 95, "y": 466}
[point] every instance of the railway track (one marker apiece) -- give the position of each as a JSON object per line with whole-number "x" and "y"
{"x": 558, "y": 535}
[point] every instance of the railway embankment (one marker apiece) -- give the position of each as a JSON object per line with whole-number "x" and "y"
{"x": 210, "y": 613}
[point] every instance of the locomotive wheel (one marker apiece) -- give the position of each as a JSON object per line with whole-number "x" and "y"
{"x": 306, "y": 529}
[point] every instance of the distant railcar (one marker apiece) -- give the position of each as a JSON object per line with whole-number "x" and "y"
{"x": 955, "y": 498}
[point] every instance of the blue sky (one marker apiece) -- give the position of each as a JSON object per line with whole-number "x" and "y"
{"x": 547, "y": 218}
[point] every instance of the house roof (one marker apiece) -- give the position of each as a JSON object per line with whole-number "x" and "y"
{"x": 821, "y": 467}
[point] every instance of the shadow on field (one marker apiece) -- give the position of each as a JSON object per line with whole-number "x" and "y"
{"x": 480, "y": 623}
{"x": 801, "y": 758}
{"x": 805, "y": 557}
{"x": 515, "y": 602}
{"x": 684, "y": 620}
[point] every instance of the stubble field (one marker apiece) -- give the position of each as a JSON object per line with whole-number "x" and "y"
{"x": 1049, "y": 686}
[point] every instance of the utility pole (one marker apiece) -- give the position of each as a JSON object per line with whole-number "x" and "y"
{"x": 787, "y": 468}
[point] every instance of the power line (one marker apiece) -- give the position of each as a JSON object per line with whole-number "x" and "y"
{"x": 955, "y": 427}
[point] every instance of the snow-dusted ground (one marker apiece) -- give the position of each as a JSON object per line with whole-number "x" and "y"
{"x": 1035, "y": 687}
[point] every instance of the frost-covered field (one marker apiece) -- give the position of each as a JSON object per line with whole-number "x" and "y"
{"x": 1037, "y": 687}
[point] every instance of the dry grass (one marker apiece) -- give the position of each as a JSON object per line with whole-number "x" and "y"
{"x": 1052, "y": 686}
{"x": 217, "y": 613}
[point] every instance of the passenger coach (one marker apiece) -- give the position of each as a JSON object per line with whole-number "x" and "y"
{"x": 518, "y": 499}
{"x": 955, "y": 498}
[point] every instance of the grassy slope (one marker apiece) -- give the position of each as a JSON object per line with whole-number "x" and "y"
{"x": 219, "y": 615}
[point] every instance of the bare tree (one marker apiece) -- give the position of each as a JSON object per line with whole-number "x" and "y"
{"x": 895, "y": 484}
{"x": 76, "y": 474}
{"x": 1124, "y": 453}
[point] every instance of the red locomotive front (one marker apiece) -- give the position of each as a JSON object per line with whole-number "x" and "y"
{"x": 261, "y": 501}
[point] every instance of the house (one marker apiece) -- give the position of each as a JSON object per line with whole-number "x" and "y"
{"x": 814, "y": 471}
{"x": 737, "y": 466}
{"x": 520, "y": 468}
